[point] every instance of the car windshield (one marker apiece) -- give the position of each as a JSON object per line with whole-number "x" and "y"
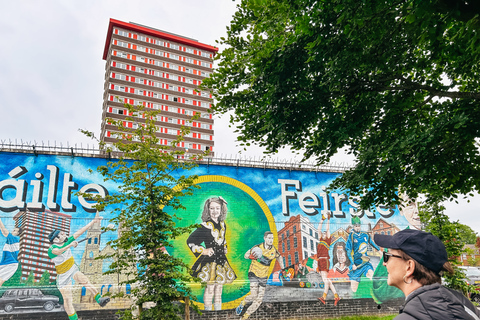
{"x": 473, "y": 272}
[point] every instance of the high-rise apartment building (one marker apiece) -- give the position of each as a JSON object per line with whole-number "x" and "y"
{"x": 34, "y": 244}
{"x": 159, "y": 70}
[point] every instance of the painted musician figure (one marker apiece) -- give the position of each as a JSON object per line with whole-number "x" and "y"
{"x": 357, "y": 248}
{"x": 323, "y": 260}
{"x": 61, "y": 254}
{"x": 262, "y": 256}
{"x": 212, "y": 266}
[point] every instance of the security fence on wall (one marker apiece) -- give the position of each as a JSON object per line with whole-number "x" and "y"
{"x": 222, "y": 159}
{"x": 289, "y": 240}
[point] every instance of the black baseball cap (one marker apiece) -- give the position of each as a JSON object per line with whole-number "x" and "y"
{"x": 422, "y": 246}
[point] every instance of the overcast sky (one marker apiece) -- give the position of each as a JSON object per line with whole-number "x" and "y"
{"x": 52, "y": 71}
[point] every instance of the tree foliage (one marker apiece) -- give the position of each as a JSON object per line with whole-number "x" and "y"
{"x": 395, "y": 81}
{"x": 149, "y": 179}
{"x": 467, "y": 235}
{"x": 439, "y": 224}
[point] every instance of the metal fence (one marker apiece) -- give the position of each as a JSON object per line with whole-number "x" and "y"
{"x": 238, "y": 160}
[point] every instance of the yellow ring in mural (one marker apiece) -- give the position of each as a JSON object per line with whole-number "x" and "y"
{"x": 242, "y": 186}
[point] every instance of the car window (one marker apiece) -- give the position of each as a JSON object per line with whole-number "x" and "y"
{"x": 473, "y": 272}
{"x": 10, "y": 293}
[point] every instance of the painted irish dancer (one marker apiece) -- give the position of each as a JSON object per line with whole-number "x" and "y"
{"x": 209, "y": 246}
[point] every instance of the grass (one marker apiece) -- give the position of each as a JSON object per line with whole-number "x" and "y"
{"x": 390, "y": 317}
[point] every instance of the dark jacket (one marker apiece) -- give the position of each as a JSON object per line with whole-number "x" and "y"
{"x": 435, "y": 302}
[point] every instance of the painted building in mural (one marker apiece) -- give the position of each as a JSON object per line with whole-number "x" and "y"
{"x": 265, "y": 235}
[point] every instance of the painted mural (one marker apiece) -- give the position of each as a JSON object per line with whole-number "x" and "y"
{"x": 264, "y": 235}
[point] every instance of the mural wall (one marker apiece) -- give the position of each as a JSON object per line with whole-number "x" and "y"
{"x": 265, "y": 235}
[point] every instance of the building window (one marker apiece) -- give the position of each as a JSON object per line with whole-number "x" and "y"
{"x": 316, "y": 235}
{"x": 294, "y": 229}
{"x": 311, "y": 232}
{"x": 296, "y": 257}
{"x": 289, "y": 260}
{"x": 283, "y": 246}
{"x": 305, "y": 245}
{"x": 295, "y": 242}
{"x": 288, "y": 244}
{"x": 311, "y": 246}
{"x": 288, "y": 233}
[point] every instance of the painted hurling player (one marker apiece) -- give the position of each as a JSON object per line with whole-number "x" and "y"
{"x": 262, "y": 256}
{"x": 67, "y": 270}
{"x": 357, "y": 247}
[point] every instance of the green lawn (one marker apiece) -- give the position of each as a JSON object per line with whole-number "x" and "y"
{"x": 364, "y": 318}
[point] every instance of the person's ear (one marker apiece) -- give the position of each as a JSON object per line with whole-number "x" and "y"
{"x": 410, "y": 268}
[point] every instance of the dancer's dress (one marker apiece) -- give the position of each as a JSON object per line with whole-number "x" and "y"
{"x": 215, "y": 268}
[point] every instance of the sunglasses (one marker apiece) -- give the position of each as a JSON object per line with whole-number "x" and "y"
{"x": 386, "y": 256}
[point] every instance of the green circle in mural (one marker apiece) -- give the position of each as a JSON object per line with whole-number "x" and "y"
{"x": 247, "y": 220}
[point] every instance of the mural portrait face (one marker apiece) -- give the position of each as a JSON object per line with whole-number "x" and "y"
{"x": 16, "y": 232}
{"x": 215, "y": 209}
{"x": 357, "y": 228}
{"x": 341, "y": 255}
{"x": 269, "y": 239}
{"x": 410, "y": 212}
{"x": 61, "y": 238}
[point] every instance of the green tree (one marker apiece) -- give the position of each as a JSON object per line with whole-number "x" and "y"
{"x": 45, "y": 279}
{"x": 471, "y": 259}
{"x": 467, "y": 235}
{"x": 30, "y": 282}
{"x": 438, "y": 223}
{"x": 396, "y": 82}
{"x": 149, "y": 179}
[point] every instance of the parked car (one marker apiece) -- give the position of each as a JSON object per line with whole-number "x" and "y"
{"x": 27, "y": 298}
{"x": 473, "y": 275}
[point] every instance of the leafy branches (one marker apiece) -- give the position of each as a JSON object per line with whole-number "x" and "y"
{"x": 396, "y": 82}
{"x": 148, "y": 177}
{"x": 438, "y": 223}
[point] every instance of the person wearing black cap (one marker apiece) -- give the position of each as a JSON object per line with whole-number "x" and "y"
{"x": 415, "y": 261}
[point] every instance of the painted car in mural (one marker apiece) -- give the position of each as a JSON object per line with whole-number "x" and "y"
{"x": 265, "y": 235}
{"x": 28, "y": 298}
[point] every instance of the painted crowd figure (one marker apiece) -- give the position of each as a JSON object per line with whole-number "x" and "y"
{"x": 212, "y": 265}
{"x": 61, "y": 255}
{"x": 341, "y": 263}
{"x": 9, "y": 262}
{"x": 323, "y": 261}
{"x": 262, "y": 256}
{"x": 357, "y": 248}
